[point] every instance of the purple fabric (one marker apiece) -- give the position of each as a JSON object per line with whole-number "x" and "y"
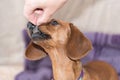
{"x": 105, "y": 47}
{"x": 36, "y": 70}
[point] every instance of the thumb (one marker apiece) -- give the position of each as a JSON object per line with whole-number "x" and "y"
{"x": 44, "y": 17}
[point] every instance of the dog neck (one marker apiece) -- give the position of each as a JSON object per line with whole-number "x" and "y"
{"x": 63, "y": 67}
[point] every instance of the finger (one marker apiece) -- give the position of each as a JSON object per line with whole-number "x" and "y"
{"x": 33, "y": 15}
{"x": 44, "y": 17}
{"x": 31, "y": 11}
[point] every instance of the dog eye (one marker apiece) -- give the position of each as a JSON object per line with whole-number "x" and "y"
{"x": 54, "y": 23}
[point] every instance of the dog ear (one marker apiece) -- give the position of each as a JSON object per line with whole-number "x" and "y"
{"x": 78, "y": 45}
{"x": 34, "y": 52}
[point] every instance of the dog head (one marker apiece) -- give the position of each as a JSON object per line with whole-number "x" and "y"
{"x": 56, "y": 34}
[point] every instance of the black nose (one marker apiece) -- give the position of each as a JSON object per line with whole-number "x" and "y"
{"x": 36, "y": 30}
{"x": 30, "y": 26}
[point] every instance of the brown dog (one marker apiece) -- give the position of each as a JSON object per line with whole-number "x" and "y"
{"x": 66, "y": 45}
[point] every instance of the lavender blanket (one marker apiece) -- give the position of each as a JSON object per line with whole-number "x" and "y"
{"x": 105, "y": 47}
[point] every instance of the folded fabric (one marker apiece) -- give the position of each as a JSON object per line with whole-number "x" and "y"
{"x": 36, "y": 70}
{"x": 105, "y": 47}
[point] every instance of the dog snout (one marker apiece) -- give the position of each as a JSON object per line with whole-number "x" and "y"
{"x": 33, "y": 28}
{"x": 36, "y": 30}
{"x": 36, "y": 33}
{"x": 30, "y": 26}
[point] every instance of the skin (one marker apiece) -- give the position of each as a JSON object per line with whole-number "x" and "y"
{"x": 40, "y": 11}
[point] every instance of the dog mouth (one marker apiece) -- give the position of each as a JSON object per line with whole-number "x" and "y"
{"x": 40, "y": 36}
{"x": 36, "y": 34}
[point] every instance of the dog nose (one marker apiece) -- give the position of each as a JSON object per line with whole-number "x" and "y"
{"x": 30, "y": 26}
{"x": 36, "y": 30}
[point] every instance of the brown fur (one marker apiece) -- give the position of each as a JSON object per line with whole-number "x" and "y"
{"x": 65, "y": 49}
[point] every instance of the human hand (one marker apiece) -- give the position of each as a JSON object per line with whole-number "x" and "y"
{"x": 40, "y": 11}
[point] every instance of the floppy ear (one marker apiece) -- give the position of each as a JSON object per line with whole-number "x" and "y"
{"x": 34, "y": 52}
{"x": 78, "y": 45}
